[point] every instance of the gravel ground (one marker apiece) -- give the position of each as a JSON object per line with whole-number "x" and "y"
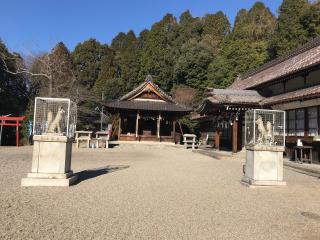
{"x": 150, "y": 192}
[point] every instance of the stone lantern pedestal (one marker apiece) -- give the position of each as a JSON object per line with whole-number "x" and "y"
{"x": 264, "y": 166}
{"x": 51, "y": 162}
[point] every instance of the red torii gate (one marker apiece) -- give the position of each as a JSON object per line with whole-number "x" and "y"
{"x": 12, "y": 122}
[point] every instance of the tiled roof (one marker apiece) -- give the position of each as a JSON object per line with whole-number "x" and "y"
{"x": 128, "y": 103}
{"x": 219, "y": 97}
{"x": 230, "y": 96}
{"x": 148, "y": 106}
{"x": 142, "y": 86}
{"x": 301, "y": 58}
{"x": 306, "y": 93}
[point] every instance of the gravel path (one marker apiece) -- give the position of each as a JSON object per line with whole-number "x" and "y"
{"x": 150, "y": 192}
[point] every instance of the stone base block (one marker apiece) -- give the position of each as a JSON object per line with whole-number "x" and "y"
{"x": 49, "y": 180}
{"x": 51, "y": 175}
{"x": 51, "y": 154}
{"x": 251, "y": 183}
{"x": 264, "y": 166}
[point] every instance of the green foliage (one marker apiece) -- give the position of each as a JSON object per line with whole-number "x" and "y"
{"x": 184, "y": 57}
{"x": 13, "y": 88}
{"x": 290, "y": 32}
{"x": 14, "y": 93}
{"x": 191, "y": 66}
{"x": 236, "y": 57}
{"x": 88, "y": 57}
{"x": 245, "y": 48}
{"x": 256, "y": 24}
{"x": 311, "y": 21}
{"x": 127, "y": 58}
{"x": 107, "y": 74}
{"x": 189, "y": 27}
{"x": 215, "y": 28}
{"x": 188, "y": 125}
{"x": 157, "y": 55}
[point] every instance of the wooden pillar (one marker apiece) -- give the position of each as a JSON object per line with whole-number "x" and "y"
{"x": 174, "y": 130}
{"x": 17, "y": 133}
{"x": 217, "y": 139}
{"x": 158, "y": 127}
{"x": 119, "y": 130}
{"x": 137, "y": 125}
{"x": 240, "y": 132}
{"x": 235, "y": 136}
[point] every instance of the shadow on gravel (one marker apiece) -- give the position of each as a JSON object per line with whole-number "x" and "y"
{"x": 113, "y": 145}
{"x": 96, "y": 172}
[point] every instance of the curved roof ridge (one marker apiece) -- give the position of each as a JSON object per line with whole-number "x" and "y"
{"x": 147, "y": 81}
{"x": 132, "y": 92}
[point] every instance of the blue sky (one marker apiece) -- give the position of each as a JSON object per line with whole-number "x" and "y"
{"x": 37, "y": 25}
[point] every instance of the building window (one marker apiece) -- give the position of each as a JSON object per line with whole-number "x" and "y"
{"x": 291, "y": 123}
{"x": 295, "y": 83}
{"x": 300, "y": 122}
{"x": 273, "y": 90}
{"x": 313, "y": 78}
{"x": 296, "y": 122}
{"x": 313, "y": 121}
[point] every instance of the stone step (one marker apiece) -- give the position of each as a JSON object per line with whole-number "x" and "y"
{"x": 309, "y": 169}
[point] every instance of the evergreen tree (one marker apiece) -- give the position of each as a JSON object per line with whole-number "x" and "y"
{"x": 311, "y": 21}
{"x": 188, "y": 28}
{"x": 191, "y": 66}
{"x": 245, "y": 48}
{"x": 290, "y": 31}
{"x": 215, "y": 28}
{"x": 127, "y": 58}
{"x": 87, "y": 58}
{"x": 14, "y": 92}
{"x": 157, "y": 55}
{"x": 109, "y": 79}
{"x": 256, "y": 24}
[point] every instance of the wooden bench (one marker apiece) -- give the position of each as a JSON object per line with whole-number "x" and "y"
{"x": 83, "y": 136}
{"x": 189, "y": 140}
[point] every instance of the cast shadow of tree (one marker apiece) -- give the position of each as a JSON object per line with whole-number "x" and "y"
{"x": 92, "y": 173}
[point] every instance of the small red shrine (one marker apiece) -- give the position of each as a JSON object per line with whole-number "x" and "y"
{"x": 12, "y": 122}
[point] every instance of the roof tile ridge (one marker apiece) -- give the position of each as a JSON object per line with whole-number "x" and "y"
{"x": 292, "y": 53}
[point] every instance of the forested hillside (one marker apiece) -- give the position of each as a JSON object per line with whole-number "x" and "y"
{"x": 182, "y": 54}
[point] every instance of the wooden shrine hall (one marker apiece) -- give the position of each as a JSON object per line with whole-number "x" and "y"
{"x": 148, "y": 114}
{"x": 223, "y": 110}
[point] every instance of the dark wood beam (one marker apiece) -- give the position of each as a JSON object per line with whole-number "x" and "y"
{"x": 235, "y": 136}
{"x": 217, "y": 139}
{"x": 119, "y": 130}
{"x": 174, "y": 130}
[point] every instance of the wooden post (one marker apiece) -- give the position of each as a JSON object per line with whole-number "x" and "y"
{"x": 158, "y": 127}
{"x": 137, "y": 125}
{"x": 17, "y": 133}
{"x": 119, "y": 130}
{"x": 174, "y": 130}
{"x": 235, "y": 136}
{"x": 217, "y": 139}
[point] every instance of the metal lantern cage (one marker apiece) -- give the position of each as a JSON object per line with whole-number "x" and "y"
{"x": 265, "y": 127}
{"x": 54, "y": 116}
